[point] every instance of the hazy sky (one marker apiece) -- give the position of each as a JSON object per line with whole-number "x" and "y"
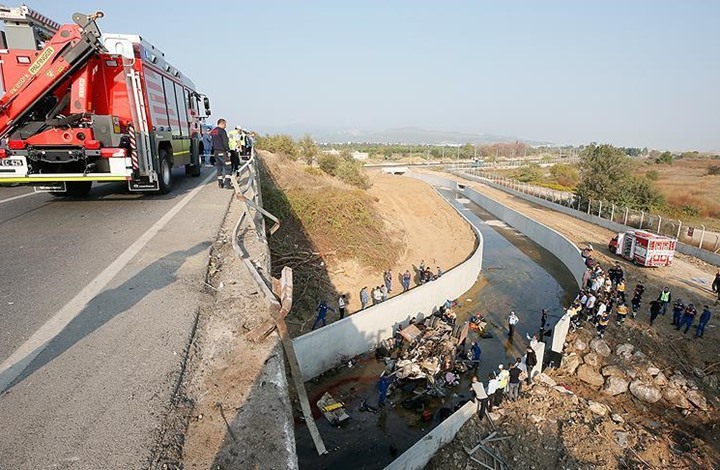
{"x": 632, "y": 73}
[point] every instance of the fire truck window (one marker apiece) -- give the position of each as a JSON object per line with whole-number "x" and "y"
{"x": 181, "y": 110}
{"x": 169, "y": 87}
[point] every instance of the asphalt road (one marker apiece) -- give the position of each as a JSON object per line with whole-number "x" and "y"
{"x": 97, "y": 301}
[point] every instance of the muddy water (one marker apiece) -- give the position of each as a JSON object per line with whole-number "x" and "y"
{"x": 517, "y": 275}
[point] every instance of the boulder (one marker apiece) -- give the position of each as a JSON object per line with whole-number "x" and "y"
{"x": 621, "y": 438}
{"x": 617, "y": 418}
{"x": 589, "y": 376}
{"x": 580, "y": 345}
{"x": 615, "y": 386}
{"x": 637, "y": 355}
{"x": 625, "y": 350}
{"x": 675, "y": 397}
{"x": 660, "y": 380}
{"x": 678, "y": 380}
{"x": 600, "y": 346}
{"x": 593, "y": 360}
{"x": 652, "y": 370}
{"x": 570, "y": 363}
{"x": 613, "y": 371}
{"x": 545, "y": 379}
{"x": 644, "y": 392}
{"x": 598, "y": 408}
{"x": 697, "y": 399}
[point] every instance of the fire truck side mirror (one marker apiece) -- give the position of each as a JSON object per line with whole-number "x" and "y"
{"x": 206, "y": 103}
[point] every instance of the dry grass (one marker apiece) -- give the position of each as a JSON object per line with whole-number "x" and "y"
{"x": 688, "y": 189}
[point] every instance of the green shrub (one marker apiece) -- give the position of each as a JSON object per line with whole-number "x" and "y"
{"x": 652, "y": 175}
{"x": 328, "y": 163}
{"x": 713, "y": 170}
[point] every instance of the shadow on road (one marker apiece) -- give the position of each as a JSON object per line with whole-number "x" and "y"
{"x": 109, "y": 304}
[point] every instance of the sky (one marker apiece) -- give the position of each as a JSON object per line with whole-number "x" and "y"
{"x": 631, "y": 73}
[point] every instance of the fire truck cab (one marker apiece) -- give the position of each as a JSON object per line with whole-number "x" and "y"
{"x": 79, "y": 106}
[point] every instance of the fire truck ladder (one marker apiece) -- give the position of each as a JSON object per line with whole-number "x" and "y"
{"x": 140, "y": 123}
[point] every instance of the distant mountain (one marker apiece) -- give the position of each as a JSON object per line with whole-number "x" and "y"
{"x": 401, "y": 135}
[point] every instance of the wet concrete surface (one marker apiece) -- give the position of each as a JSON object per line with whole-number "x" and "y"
{"x": 517, "y": 275}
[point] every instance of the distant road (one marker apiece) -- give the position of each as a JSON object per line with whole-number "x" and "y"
{"x": 97, "y": 302}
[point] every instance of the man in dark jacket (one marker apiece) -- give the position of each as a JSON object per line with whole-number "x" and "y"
{"x": 221, "y": 152}
{"x": 716, "y": 284}
{"x": 530, "y": 361}
{"x": 687, "y": 318}
{"x": 704, "y": 319}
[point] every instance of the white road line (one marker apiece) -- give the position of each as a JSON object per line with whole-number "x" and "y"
{"x": 18, "y": 197}
{"x": 13, "y": 366}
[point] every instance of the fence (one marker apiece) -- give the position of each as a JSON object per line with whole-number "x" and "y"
{"x": 655, "y": 223}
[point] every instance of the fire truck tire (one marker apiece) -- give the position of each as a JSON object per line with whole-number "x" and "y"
{"x": 165, "y": 178}
{"x": 192, "y": 170}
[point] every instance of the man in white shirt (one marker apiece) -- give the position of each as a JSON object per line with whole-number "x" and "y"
{"x": 342, "y": 302}
{"x": 512, "y": 321}
{"x": 491, "y": 389}
{"x": 481, "y": 397}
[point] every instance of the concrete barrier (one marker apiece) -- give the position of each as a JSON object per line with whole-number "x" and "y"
{"x": 420, "y": 454}
{"x": 323, "y": 349}
{"x": 705, "y": 255}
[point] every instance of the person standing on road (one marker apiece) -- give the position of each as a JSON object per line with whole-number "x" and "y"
{"x": 207, "y": 146}
{"x": 664, "y": 298}
{"x": 342, "y": 302}
{"x": 221, "y": 152}
{"x": 530, "y": 363}
{"x": 364, "y": 297}
{"x": 234, "y": 137}
{"x": 321, "y": 310}
{"x": 687, "y": 318}
{"x": 512, "y": 321}
{"x": 704, "y": 319}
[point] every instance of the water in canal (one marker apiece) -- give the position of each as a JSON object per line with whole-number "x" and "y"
{"x": 517, "y": 275}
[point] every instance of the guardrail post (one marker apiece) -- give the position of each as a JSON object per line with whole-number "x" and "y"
{"x": 679, "y": 227}
{"x": 702, "y": 236}
{"x": 642, "y": 217}
{"x": 627, "y": 210}
{"x": 600, "y": 210}
{"x": 612, "y": 212}
{"x": 659, "y": 223}
{"x": 589, "y": 204}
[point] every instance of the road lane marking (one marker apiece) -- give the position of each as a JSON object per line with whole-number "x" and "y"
{"x": 13, "y": 366}
{"x": 18, "y": 197}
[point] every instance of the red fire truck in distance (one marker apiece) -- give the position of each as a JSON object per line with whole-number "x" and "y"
{"x": 79, "y": 106}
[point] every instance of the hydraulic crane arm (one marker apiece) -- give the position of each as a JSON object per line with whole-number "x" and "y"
{"x": 66, "y": 52}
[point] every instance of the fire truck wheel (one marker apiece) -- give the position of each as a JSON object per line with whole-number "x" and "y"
{"x": 192, "y": 170}
{"x": 165, "y": 173}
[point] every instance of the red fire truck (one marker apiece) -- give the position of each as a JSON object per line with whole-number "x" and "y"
{"x": 79, "y": 106}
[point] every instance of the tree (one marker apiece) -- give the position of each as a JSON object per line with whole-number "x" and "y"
{"x": 665, "y": 158}
{"x": 329, "y": 163}
{"x": 308, "y": 148}
{"x": 565, "y": 174}
{"x": 605, "y": 174}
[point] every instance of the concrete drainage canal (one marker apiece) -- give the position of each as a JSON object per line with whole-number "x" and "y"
{"x": 517, "y": 275}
